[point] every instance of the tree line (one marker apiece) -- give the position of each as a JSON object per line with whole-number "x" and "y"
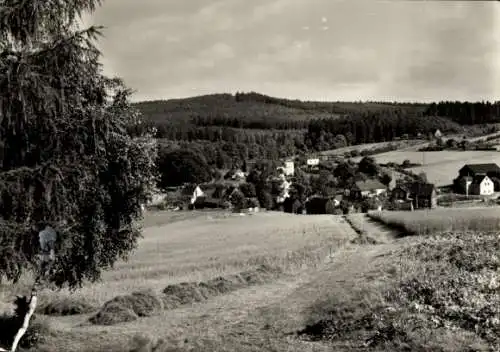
{"x": 466, "y": 113}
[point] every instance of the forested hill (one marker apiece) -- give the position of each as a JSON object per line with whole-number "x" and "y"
{"x": 227, "y": 129}
{"x": 256, "y": 111}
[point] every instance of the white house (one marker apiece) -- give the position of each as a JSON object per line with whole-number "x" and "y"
{"x": 438, "y": 134}
{"x": 285, "y": 191}
{"x": 288, "y": 168}
{"x": 313, "y": 162}
{"x": 196, "y": 193}
{"x": 479, "y": 185}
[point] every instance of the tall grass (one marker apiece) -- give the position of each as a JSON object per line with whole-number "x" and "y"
{"x": 427, "y": 222}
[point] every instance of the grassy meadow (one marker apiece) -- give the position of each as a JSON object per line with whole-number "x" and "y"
{"x": 205, "y": 245}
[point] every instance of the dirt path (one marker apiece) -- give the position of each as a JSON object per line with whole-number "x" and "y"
{"x": 375, "y": 230}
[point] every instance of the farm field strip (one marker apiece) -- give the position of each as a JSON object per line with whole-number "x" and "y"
{"x": 425, "y": 222}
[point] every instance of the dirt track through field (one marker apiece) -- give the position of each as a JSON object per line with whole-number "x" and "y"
{"x": 376, "y": 230}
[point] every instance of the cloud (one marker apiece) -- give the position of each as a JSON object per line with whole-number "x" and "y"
{"x": 165, "y": 48}
{"x": 211, "y": 56}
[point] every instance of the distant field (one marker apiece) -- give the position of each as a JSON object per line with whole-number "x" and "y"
{"x": 441, "y": 167}
{"x": 427, "y": 222}
{"x": 368, "y": 146}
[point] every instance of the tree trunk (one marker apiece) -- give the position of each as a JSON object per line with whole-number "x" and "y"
{"x": 26, "y": 321}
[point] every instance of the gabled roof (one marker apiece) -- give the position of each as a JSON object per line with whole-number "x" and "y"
{"x": 482, "y": 168}
{"x": 368, "y": 185}
{"x": 478, "y": 179}
{"x": 189, "y": 190}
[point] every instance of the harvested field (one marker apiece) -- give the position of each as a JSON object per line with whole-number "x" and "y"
{"x": 274, "y": 291}
{"x": 441, "y": 167}
{"x": 208, "y": 245}
{"x": 191, "y": 259}
{"x": 425, "y": 222}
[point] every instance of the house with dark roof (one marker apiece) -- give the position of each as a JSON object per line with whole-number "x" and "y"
{"x": 199, "y": 196}
{"x": 420, "y": 195}
{"x": 470, "y": 176}
{"x": 367, "y": 189}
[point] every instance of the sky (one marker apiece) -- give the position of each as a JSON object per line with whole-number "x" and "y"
{"x": 325, "y": 50}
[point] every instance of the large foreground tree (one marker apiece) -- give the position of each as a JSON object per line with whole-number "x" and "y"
{"x": 68, "y": 152}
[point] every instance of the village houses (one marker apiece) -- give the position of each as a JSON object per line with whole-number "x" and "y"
{"x": 367, "y": 189}
{"x": 313, "y": 163}
{"x": 417, "y": 194}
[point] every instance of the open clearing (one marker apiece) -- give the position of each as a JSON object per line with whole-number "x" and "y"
{"x": 402, "y": 145}
{"x": 334, "y": 293}
{"x": 441, "y": 167}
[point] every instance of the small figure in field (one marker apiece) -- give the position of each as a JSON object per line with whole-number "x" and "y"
{"x": 47, "y": 238}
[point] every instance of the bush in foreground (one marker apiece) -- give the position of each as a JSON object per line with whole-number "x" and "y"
{"x": 446, "y": 299}
{"x": 37, "y": 331}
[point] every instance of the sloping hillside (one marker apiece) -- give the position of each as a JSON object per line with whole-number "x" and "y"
{"x": 252, "y": 110}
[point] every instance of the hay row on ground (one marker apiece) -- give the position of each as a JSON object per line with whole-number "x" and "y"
{"x": 147, "y": 303}
{"x": 64, "y": 306}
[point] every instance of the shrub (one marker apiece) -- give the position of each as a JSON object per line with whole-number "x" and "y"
{"x": 248, "y": 190}
{"x": 330, "y": 207}
{"x": 253, "y": 203}
{"x": 266, "y": 200}
{"x": 238, "y": 200}
{"x": 38, "y": 329}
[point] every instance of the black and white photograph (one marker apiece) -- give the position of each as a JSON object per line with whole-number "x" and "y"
{"x": 246, "y": 176}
